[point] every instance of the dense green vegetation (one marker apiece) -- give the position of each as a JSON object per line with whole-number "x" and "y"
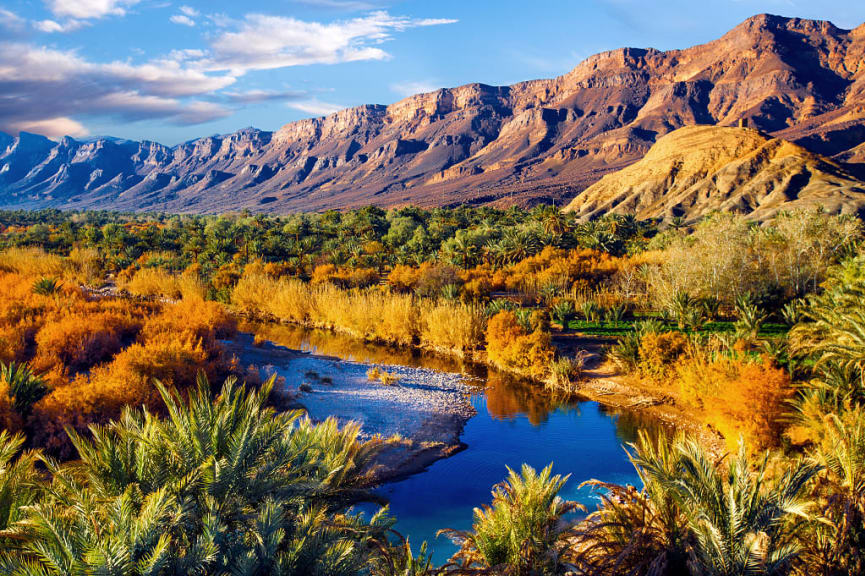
{"x": 756, "y": 331}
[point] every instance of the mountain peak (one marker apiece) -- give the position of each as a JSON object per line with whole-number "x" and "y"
{"x": 535, "y": 141}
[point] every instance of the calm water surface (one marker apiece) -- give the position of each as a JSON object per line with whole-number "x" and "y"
{"x": 514, "y": 425}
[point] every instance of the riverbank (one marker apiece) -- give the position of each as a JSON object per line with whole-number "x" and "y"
{"x": 421, "y": 413}
{"x": 603, "y": 383}
{"x": 600, "y": 382}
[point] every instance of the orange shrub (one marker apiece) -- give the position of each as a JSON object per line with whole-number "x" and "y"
{"x": 659, "y": 352}
{"x": 575, "y": 268}
{"x": 752, "y": 404}
{"x": 433, "y": 277}
{"x": 127, "y": 381}
{"x": 403, "y": 278}
{"x": 225, "y": 276}
{"x": 78, "y": 341}
{"x": 197, "y": 320}
{"x": 510, "y": 347}
{"x": 344, "y": 277}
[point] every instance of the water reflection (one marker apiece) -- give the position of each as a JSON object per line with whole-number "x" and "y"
{"x": 507, "y": 397}
{"x": 515, "y": 425}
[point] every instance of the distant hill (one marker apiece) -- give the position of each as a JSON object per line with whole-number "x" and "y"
{"x": 543, "y": 140}
{"x": 699, "y": 169}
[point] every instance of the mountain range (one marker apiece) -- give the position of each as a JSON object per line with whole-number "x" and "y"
{"x": 791, "y": 80}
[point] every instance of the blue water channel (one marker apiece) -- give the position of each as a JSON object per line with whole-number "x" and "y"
{"x": 514, "y": 425}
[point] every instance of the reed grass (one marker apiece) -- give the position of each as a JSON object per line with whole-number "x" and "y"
{"x": 370, "y": 314}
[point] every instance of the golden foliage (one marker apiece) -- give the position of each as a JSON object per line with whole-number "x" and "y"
{"x": 737, "y": 397}
{"x": 510, "y": 347}
{"x": 659, "y": 351}
{"x": 78, "y": 341}
{"x": 369, "y": 314}
{"x": 344, "y": 277}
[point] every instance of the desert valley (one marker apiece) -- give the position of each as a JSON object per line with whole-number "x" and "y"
{"x": 606, "y": 323}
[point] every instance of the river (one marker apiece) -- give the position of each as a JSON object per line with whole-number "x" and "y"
{"x": 514, "y": 425}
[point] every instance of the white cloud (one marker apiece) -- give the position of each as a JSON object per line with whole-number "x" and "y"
{"x": 56, "y": 90}
{"x": 187, "y": 16}
{"x": 254, "y": 96}
{"x": 262, "y": 42}
{"x": 350, "y": 5}
{"x": 51, "y": 26}
{"x": 86, "y": 9}
{"x": 406, "y": 89}
{"x": 182, "y": 19}
{"x": 9, "y": 19}
{"x": 50, "y": 127}
{"x": 40, "y": 84}
{"x": 315, "y": 107}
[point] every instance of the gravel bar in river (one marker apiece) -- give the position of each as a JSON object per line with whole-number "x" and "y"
{"x": 426, "y": 408}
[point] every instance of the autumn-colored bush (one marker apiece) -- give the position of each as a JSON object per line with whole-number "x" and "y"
{"x": 128, "y": 380}
{"x": 32, "y": 261}
{"x": 151, "y": 283}
{"x": 752, "y": 403}
{"x": 555, "y": 266}
{"x": 194, "y": 320}
{"x": 511, "y": 347}
{"x": 659, "y": 351}
{"x": 369, "y": 314}
{"x": 434, "y": 277}
{"x": 78, "y": 341}
{"x": 344, "y": 277}
{"x": 403, "y": 278}
{"x": 452, "y": 327}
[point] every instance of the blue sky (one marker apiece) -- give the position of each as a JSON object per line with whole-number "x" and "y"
{"x": 171, "y": 71}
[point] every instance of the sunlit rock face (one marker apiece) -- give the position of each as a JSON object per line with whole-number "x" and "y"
{"x": 697, "y": 170}
{"x": 543, "y": 140}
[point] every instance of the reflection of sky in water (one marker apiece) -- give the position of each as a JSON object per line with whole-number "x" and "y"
{"x": 581, "y": 441}
{"x": 514, "y": 425}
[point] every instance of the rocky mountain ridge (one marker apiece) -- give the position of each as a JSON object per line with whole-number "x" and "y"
{"x": 543, "y": 140}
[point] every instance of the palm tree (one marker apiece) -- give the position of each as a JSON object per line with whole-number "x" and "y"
{"x": 523, "y": 531}
{"x": 19, "y": 483}
{"x": 834, "y": 326}
{"x": 24, "y": 387}
{"x": 720, "y": 520}
{"x": 740, "y": 520}
{"x": 835, "y": 547}
{"x": 76, "y": 530}
{"x": 638, "y": 531}
{"x": 223, "y": 484}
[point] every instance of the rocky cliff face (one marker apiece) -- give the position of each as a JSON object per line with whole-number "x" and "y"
{"x": 546, "y": 140}
{"x": 699, "y": 169}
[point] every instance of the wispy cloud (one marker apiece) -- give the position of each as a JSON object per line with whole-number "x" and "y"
{"x": 405, "y": 89}
{"x": 186, "y": 16}
{"x": 256, "y": 96}
{"x": 52, "y": 26}
{"x": 263, "y": 42}
{"x": 50, "y": 127}
{"x": 55, "y": 90}
{"x": 315, "y": 107}
{"x": 348, "y": 5}
{"x": 182, "y": 19}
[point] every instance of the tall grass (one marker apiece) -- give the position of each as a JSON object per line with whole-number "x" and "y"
{"x": 370, "y": 314}
{"x": 156, "y": 282}
{"x": 33, "y": 261}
